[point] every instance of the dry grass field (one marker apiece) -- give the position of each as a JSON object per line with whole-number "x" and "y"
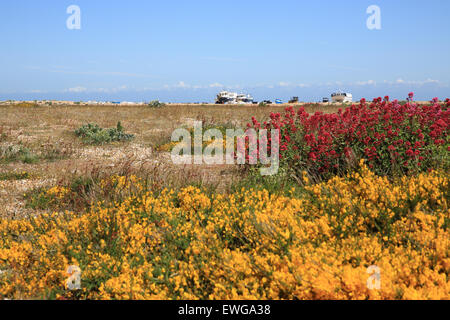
{"x": 57, "y": 154}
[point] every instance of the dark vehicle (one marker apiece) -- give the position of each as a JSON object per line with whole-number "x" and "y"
{"x": 294, "y": 100}
{"x": 326, "y": 100}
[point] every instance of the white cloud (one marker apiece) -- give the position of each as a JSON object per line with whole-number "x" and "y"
{"x": 77, "y": 89}
{"x": 110, "y": 90}
{"x": 431, "y": 81}
{"x": 292, "y": 85}
{"x": 182, "y": 84}
{"x": 282, "y": 84}
{"x": 412, "y": 82}
{"x": 366, "y": 83}
{"x": 399, "y": 81}
{"x": 81, "y": 89}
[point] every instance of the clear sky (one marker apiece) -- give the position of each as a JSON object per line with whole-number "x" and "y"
{"x": 189, "y": 50}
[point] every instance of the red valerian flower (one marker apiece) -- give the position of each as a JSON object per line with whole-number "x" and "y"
{"x": 382, "y": 132}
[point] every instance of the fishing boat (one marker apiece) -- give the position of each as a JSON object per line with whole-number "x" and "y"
{"x": 225, "y": 97}
{"x": 341, "y": 97}
{"x": 244, "y": 99}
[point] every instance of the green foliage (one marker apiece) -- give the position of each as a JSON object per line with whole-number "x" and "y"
{"x": 82, "y": 184}
{"x": 30, "y": 158}
{"x": 14, "y": 153}
{"x": 156, "y": 104}
{"x": 93, "y": 134}
{"x": 18, "y": 153}
{"x": 38, "y": 200}
{"x": 282, "y": 183}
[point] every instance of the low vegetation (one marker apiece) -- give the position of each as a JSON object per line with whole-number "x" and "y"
{"x": 11, "y": 152}
{"x": 94, "y": 134}
{"x": 8, "y": 176}
{"x": 246, "y": 245}
{"x": 360, "y": 189}
{"x": 156, "y": 104}
{"x": 15, "y": 152}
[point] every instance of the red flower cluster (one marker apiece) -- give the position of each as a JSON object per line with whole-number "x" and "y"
{"x": 389, "y": 136}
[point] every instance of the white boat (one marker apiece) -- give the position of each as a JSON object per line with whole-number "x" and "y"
{"x": 225, "y": 97}
{"x": 342, "y": 97}
{"x": 244, "y": 99}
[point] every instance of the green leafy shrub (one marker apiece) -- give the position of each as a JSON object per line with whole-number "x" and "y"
{"x": 93, "y": 134}
{"x": 156, "y": 104}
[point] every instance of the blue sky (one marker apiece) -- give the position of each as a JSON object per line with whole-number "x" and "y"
{"x": 184, "y": 51}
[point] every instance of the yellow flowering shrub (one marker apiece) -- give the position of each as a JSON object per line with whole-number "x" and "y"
{"x": 57, "y": 192}
{"x": 167, "y": 147}
{"x": 121, "y": 186}
{"x": 57, "y": 196}
{"x": 247, "y": 245}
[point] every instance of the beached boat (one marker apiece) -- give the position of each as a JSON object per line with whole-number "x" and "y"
{"x": 342, "y": 97}
{"x": 225, "y": 97}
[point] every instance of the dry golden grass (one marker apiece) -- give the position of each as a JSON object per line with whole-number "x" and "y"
{"x": 49, "y": 130}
